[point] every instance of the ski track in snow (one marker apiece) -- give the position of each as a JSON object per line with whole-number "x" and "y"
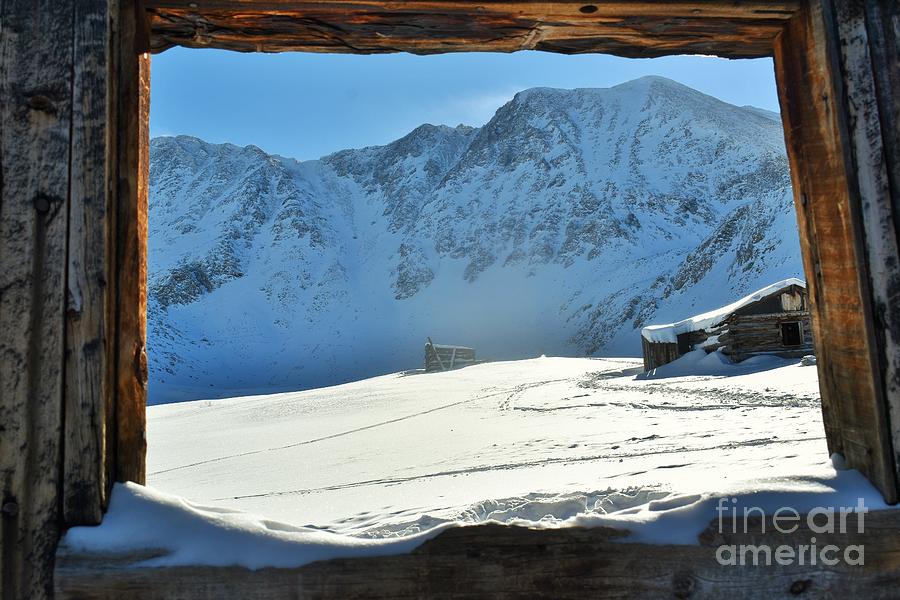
{"x": 527, "y": 464}
{"x": 326, "y": 437}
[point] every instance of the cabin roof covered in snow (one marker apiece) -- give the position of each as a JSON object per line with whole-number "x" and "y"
{"x": 669, "y": 332}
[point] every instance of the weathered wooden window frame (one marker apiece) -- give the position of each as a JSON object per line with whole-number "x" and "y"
{"x": 74, "y": 100}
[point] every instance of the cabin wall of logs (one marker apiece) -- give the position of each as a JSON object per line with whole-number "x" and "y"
{"x": 74, "y": 97}
{"x": 755, "y": 335}
{"x": 775, "y": 324}
{"x": 778, "y": 325}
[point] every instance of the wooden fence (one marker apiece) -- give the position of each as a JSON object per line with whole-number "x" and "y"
{"x": 441, "y": 358}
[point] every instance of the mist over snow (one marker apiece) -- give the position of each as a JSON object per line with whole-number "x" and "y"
{"x": 561, "y": 227}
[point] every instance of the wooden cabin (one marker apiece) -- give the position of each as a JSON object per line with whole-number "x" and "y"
{"x": 773, "y": 320}
{"x": 440, "y": 357}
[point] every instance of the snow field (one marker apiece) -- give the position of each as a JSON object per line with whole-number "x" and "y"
{"x": 379, "y": 466}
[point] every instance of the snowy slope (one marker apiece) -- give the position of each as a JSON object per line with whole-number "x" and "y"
{"x": 379, "y": 466}
{"x": 540, "y": 439}
{"x": 565, "y": 224}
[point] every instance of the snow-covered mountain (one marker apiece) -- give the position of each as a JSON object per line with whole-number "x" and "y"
{"x": 562, "y": 226}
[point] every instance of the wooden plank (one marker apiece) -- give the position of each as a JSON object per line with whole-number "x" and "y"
{"x": 883, "y": 29}
{"x": 625, "y": 28}
{"x": 769, "y": 318}
{"x": 831, "y": 239}
{"x": 106, "y": 316}
{"x": 132, "y": 151}
{"x": 434, "y": 354}
{"x": 871, "y": 188}
{"x": 558, "y": 9}
{"x": 883, "y": 21}
{"x": 88, "y": 393}
{"x": 496, "y": 561}
{"x": 35, "y": 110}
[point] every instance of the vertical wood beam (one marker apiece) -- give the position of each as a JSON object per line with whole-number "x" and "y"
{"x": 832, "y": 210}
{"x": 868, "y": 36}
{"x": 36, "y": 45}
{"x": 88, "y": 359}
{"x": 106, "y": 364}
{"x": 132, "y": 180}
{"x": 74, "y": 92}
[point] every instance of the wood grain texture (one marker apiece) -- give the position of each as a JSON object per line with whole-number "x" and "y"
{"x": 869, "y": 38}
{"x": 133, "y": 144}
{"x": 883, "y": 29}
{"x": 35, "y": 114}
{"x": 88, "y": 394}
{"x": 833, "y": 244}
{"x": 657, "y": 354}
{"x": 106, "y": 373}
{"x": 72, "y": 167}
{"x": 753, "y": 335}
{"x": 624, "y": 28}
{"x": 496, "y": 561}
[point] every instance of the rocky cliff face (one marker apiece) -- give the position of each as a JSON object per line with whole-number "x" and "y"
{"x": 562, "y": 226}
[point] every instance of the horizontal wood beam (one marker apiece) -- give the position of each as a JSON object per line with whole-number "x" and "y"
{"x": 491, "y": 561}
{"x": 624, "y": 28}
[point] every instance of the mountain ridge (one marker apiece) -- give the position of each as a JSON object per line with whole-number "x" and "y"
{"x": 564, "y": 224}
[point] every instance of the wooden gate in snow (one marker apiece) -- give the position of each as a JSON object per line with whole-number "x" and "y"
{"x": 441, "y": 358}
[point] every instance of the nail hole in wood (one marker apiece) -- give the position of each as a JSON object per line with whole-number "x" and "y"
{"x": 10, "y": 509}
{"x": 41, "y": 103}
{"x": 41, "y": 202}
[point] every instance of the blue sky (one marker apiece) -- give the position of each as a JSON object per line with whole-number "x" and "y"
{"x": 307, "y": 105}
